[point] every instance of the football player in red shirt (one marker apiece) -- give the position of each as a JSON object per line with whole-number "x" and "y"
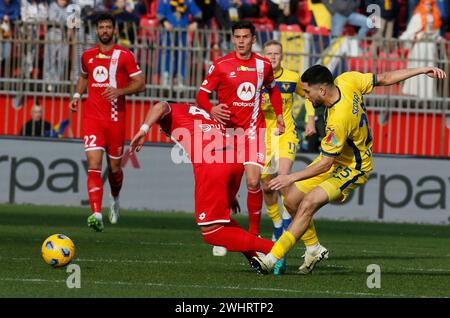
{"x": 217, "y": 173}
{"x": 239, "y": 78}
{"x": 108, "y": 72}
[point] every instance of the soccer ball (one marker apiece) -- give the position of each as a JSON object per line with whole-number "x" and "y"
{"x": 58, "y": 250}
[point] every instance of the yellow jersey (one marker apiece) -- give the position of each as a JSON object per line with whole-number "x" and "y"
{"x": 288, "y": 83}
{"x": 348, "y": 136}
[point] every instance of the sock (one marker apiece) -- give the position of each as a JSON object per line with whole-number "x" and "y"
{"x": 254, "y": 206}
{"x": 283, "y": 245}
{"x": 236, "y": 239}
{"x": 274, "y": 212}
{"x": 95, "y": 190}
{"x": 310, "y": 237}
{"x": 312, "y": 248}
{"x": 98, "y": 216}
{"x": 115, "y": 182}
{"x": 286, "y": 216}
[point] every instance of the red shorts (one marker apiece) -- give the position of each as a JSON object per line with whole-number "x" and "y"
{"x": 216, "y": 186}
{"x": 104, "y": 135}
{"x": 251, "y": 147}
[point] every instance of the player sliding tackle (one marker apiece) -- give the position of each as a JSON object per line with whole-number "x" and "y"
{"x": 346, "y": 157}
{"x": 216, "y": 180}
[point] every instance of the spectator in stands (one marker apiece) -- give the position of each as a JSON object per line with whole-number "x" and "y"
{"x": 282, "y": 12}
{"x": 173, "y": 15}
{"x": 383, "y": 34}
{"x": 422, "y": 35}
{"x": 36, "y": 126}
{"x": 208, "y": 9}
{"x": 56, "y": 49}
{"x": 248, "y": 8}
{"x": 32, "y": 12}
{"x": 9, "y": 13}
{"x": 343, "y": 12}
{"x": 127, "y": 20}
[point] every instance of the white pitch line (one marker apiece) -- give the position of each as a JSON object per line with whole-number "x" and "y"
{"x": 127, "y": 261}
{"x": 275, "y": 290}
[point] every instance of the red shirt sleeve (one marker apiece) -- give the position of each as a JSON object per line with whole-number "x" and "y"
{"x": 203, "y": 100}
{"x": 212, "y": 79}
{"x": 274, "y": 92}
{"x": 131, "y": 66}
{"x": 84, "y": 69}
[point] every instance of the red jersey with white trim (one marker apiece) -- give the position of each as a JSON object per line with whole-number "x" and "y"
{"x": 113, "y": 68}
{"x": 199, "y": 135}
{"x": 239, "y": 84}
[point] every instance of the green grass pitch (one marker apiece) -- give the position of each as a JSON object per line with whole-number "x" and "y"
{"x": 151, "y": 254}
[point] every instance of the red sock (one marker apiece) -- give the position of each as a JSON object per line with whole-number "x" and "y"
{"x": 115, "y": 182}
{"x": 95, "y": 190}
{"x": 254, "y": 206}
{"x": 236, "y": 239}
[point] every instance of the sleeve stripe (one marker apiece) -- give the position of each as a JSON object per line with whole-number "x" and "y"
{"x": 328, "y": 154}
{"x": 204, "y": 89}
{"x": 83, "y": 71}
{"x": 374, "y": 79}
{"x": 136, "y": 73}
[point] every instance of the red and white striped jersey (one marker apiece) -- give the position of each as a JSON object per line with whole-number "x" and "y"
{"x": 113, "y": 68}
{"x": 239, "y": 84}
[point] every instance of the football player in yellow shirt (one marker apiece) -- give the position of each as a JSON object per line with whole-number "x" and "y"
{"x": 346, "y": 157}
{"x": 281, "y": 150}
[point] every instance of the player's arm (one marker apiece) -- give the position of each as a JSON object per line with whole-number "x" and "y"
{"x": 310, "y": 128}
{"x": 81, "y": 88}
{"x": 277, "y": 103}
{"x": 310, "y": 171}
{"x": 136, "y": 85}
{"x": 394, "y": 77}
{"x": 157, "y": 112}
{"x": 220, "y": 112}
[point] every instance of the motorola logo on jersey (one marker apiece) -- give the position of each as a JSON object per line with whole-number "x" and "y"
{"x": 246, "y": 91}
{"x": 100, "y": 74}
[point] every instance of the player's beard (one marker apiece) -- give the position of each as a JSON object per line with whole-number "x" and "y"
{"x": 104, "y": 40}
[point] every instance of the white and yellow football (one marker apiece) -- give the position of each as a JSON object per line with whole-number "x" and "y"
{"x": 58, "y": 250}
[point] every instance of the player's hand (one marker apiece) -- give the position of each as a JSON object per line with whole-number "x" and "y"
{"x": 435, "y": 72}
{"x": 221, "y": 113}
{"x": 235, "y": 207}
{"x": 111, "y": 93}
{"x": 137, "y": 141}
{"x": 310, "y": 128}
{"x": 280, "y": 125}
{"x": 280, "y": 182}
{"x": 73, "y": 105}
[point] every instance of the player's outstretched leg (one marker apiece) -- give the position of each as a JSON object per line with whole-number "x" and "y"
{"x": 95, "y": 191}
{"x": 235, "y": 239}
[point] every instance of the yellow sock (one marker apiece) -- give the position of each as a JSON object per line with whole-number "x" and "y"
{"x": 274, "y": 212}
{"x": 283, "y": 245}
{"x": 310, "y": 237}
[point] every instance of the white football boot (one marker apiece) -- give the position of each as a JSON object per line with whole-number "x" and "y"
{"x": 311, "y": 259}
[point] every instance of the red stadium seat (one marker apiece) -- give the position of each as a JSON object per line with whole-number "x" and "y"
{"x": 289, "y": 28}
{"x": 317, "y": 30}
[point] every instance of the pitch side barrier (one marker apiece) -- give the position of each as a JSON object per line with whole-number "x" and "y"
{"x": 50, "y": 171}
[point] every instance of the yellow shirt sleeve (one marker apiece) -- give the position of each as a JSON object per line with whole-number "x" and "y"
{"x": 334, "y": 140}
{"x": 310, "y": 111}
{"x": 364, "y": 82}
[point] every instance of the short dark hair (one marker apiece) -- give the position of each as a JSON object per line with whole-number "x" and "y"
{"x": 243, "y": 24}
{"x": 317, "y": 74}
{"x": 105, "y": 16}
